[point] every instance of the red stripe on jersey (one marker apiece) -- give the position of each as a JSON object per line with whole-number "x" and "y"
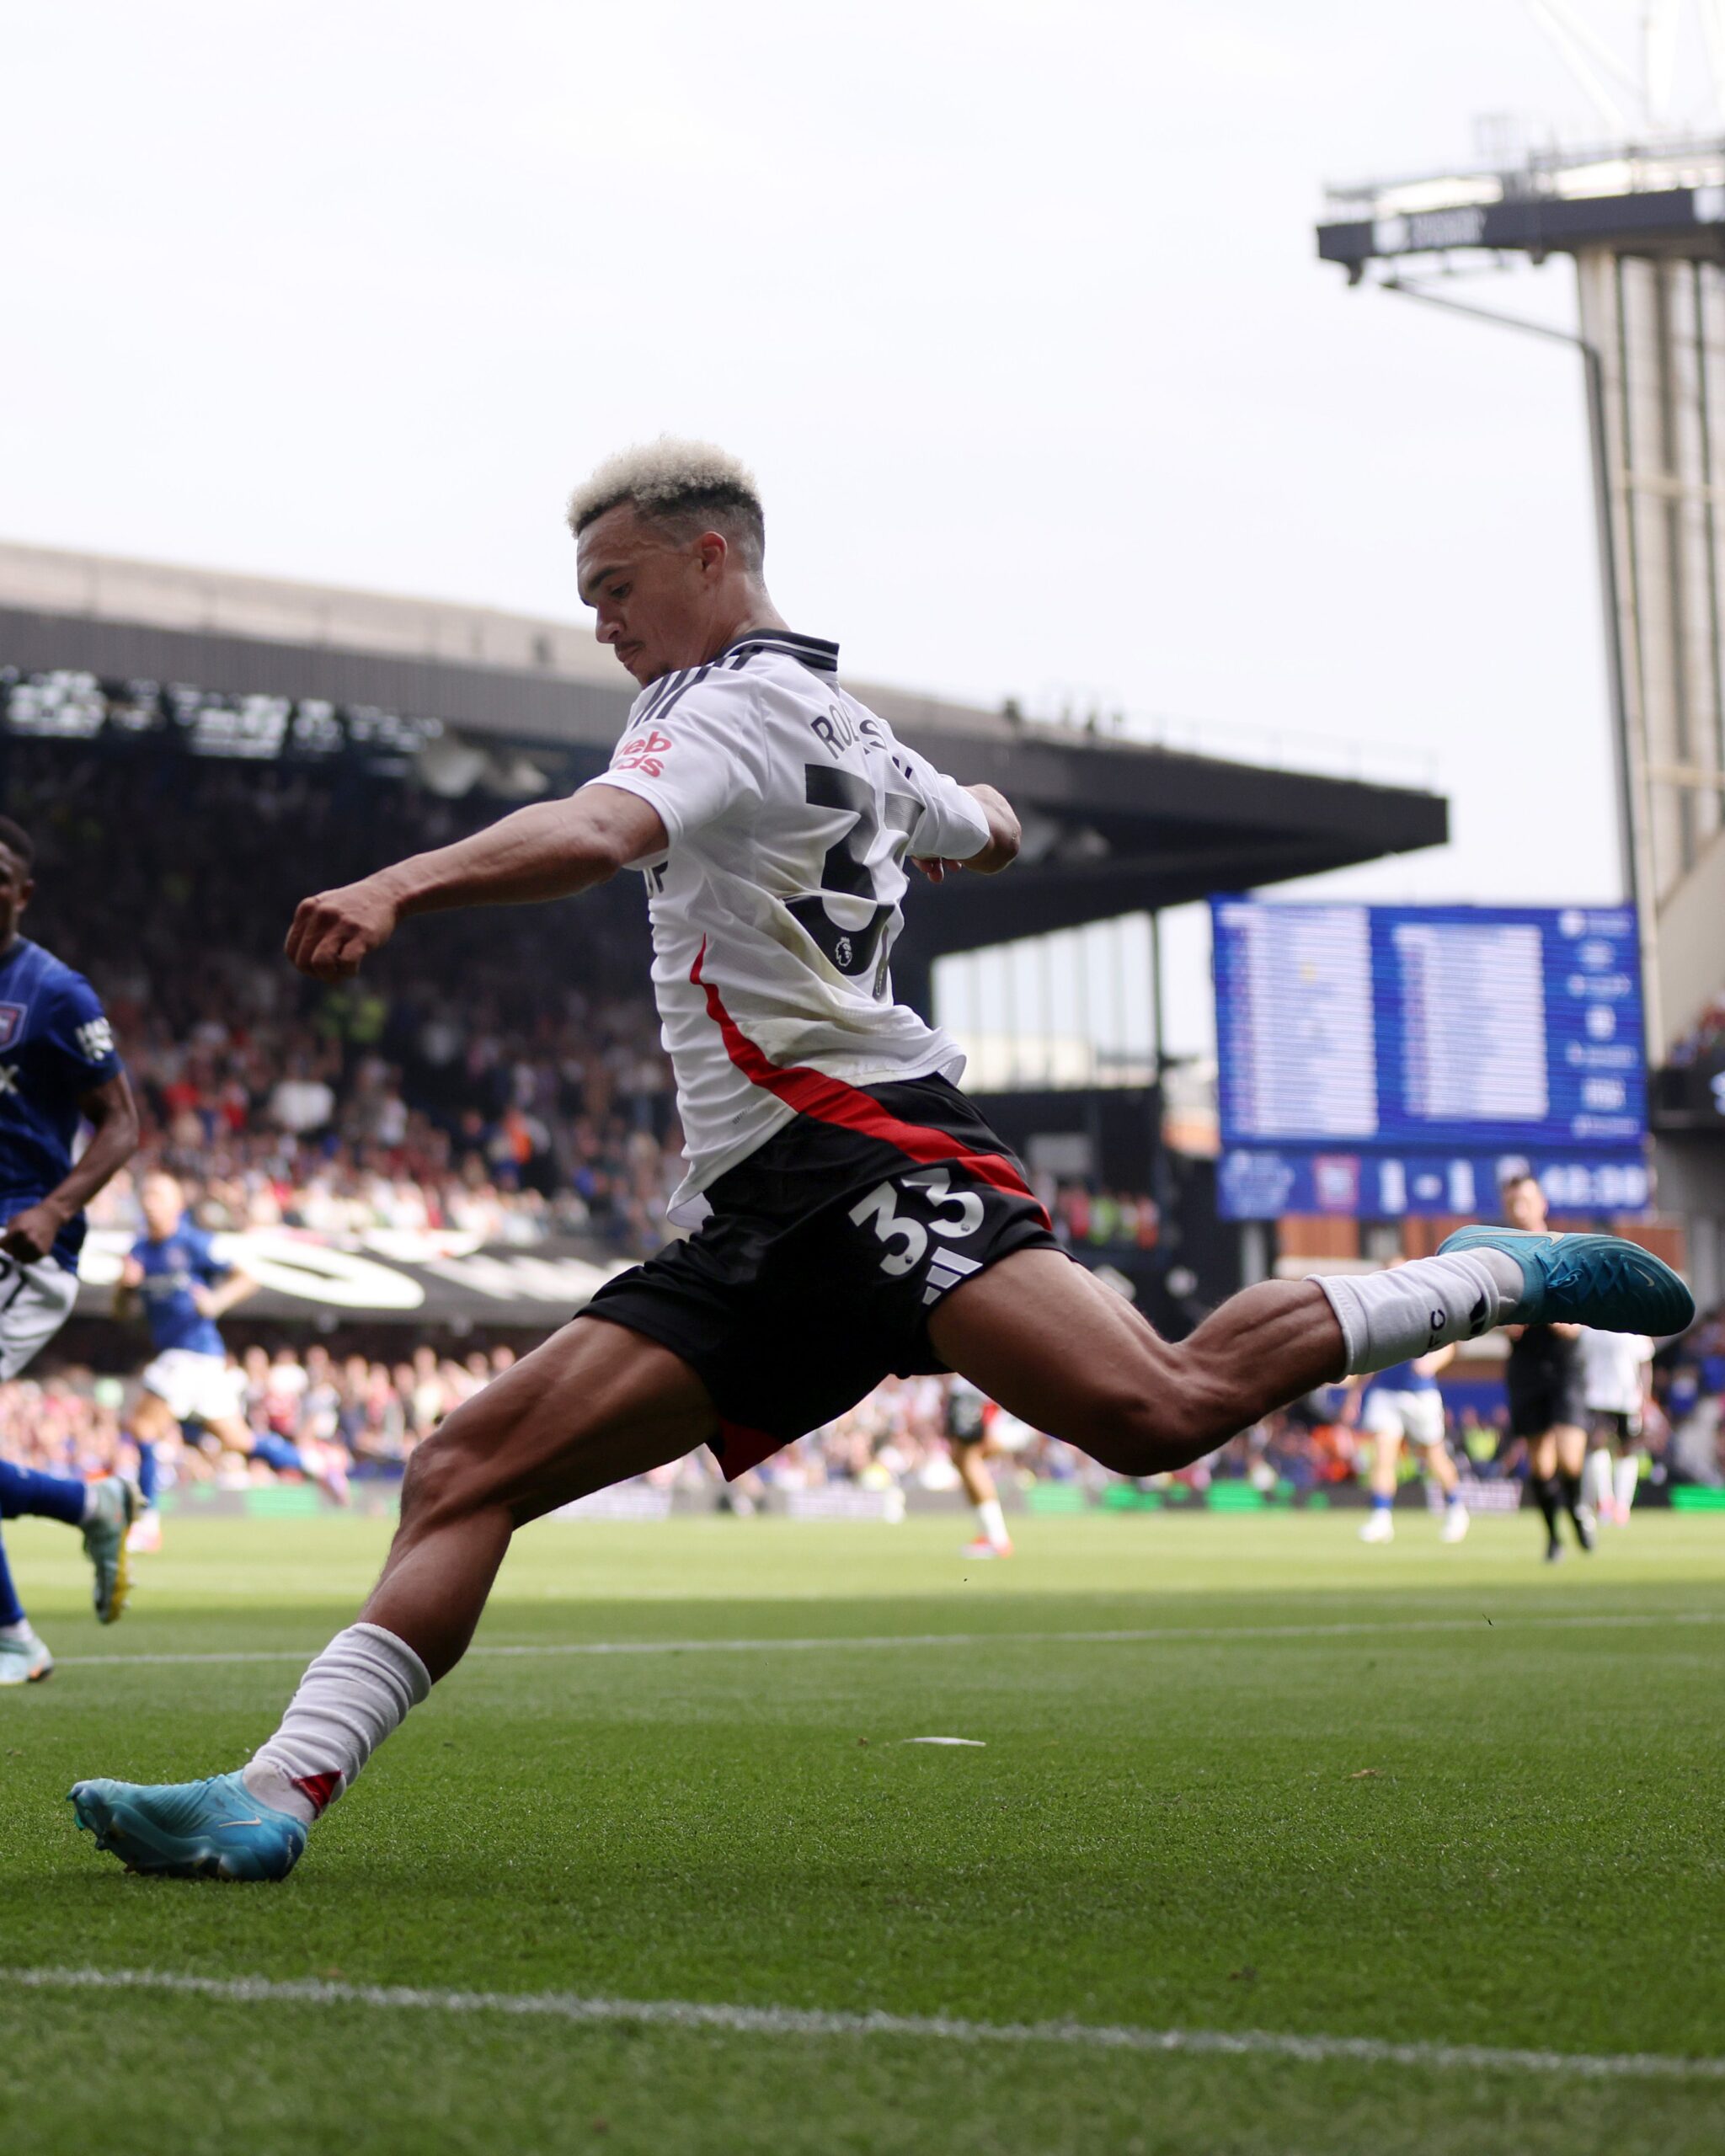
{"x": 829, "y": 1100}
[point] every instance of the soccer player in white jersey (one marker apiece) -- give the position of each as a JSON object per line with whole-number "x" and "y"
{"x": 1616, "y": 1372}
{"x": 852, "y": 1213}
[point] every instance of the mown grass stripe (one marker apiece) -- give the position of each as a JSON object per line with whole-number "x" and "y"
{"x": 799, "y": 2021}
{"x": 1132, "y": 1636}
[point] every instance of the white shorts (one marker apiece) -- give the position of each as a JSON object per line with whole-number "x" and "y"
{"x": 36, "y": 1300}
{"x": 191, "y": 1383}
{"x": 1417, "y": 1417}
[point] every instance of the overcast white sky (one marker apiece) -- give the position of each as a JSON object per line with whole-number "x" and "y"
{"x": 1011, "y": 303}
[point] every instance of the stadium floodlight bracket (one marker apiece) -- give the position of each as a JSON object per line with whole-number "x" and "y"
{"x": 1607, "y": 81}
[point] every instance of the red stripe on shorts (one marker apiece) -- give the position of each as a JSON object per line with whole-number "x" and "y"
{"x": 739, "y": 1447}
{"x": 829, "y": 1100}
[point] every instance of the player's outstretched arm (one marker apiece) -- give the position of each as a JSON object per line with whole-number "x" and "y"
{"x": 113, "y": 1117}
{"x": 216, "y": 1299}
{"x": 1004, "y": 838}
{"x": 550, "y": 851}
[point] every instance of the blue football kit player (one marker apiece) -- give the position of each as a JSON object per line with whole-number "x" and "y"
{"x": 1401, "y": 1405}
{"x": 185, "y": 1290}
{"x": 58, "y": 1069}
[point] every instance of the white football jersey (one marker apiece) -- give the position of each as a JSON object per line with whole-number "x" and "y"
{"x": 1614, "y": 1366}
{"x": 791, "y": 810}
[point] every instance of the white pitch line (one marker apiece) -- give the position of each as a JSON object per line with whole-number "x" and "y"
{"x": 1171, "y": 1635}
{"x": 799, "y": 2021}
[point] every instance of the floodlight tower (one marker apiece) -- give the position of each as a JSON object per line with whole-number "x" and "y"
{"x": 1644, "y": 219}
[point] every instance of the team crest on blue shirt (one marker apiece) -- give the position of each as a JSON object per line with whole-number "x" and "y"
{"x": 11, "y": 1018}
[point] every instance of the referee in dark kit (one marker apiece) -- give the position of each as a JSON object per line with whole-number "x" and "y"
{"x": 1548, "y": 1396}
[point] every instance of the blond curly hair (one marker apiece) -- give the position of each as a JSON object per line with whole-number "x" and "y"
{"x": 686, "y": 487}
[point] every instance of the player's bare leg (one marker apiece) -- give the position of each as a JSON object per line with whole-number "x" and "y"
{"x": 281, "y": 1453}
{"x": 153, "y": 1423}
{"x": 1386, "y": 1463}
{"x": 1053, "y": 1346}
{"x": 151, "y": 1427}
{"x": 1038, "y": 1334}
{"x": 1438, "y": 1467}
{"x": 971, "y": 1461}
{"x": 595, "y": 1404}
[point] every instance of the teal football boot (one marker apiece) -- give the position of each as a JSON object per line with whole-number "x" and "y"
{"x": 1602, "y": 1281}
{"x": 215, "y": 1830}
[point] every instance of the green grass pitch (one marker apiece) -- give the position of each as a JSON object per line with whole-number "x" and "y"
{"x": 1423, "y": 1795}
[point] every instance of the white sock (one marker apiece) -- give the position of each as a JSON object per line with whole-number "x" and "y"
{"x": 1391, "y": 1317}
{"x": 1628, "y": 1475}
{"x": 19, "y": 1634}
{"x": 1596, "y": 1477}
{"x": 994, "y": 1524}
{"x": 356, "y": 1692}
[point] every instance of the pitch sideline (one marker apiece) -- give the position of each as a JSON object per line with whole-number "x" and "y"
{"x": 797, "y": 2021}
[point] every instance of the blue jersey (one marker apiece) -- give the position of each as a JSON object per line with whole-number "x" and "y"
{"x": 171, "y": 1268}
{"x": 1403, "y": 1377}
{"x": 55, "y": 1046}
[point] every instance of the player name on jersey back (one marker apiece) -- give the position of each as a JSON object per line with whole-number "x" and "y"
{"x": 790, "y": 811}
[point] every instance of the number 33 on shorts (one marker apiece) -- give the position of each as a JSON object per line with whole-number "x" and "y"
{"x": 954, "y": 1215}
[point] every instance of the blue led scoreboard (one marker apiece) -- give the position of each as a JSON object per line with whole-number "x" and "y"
{"x": 1381, "y": 1060}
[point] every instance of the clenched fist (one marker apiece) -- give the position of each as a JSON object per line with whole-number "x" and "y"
{"x": 333, "y": 931}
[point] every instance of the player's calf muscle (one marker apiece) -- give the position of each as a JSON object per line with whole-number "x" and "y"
{"x": 1060, "y": 1351}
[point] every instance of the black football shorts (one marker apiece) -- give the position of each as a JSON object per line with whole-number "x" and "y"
{"x": 824, "y": 1254}
{"x": 1534, "y": 1409}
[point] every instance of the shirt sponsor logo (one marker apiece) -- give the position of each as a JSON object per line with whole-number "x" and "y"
{"x": 646, "y": 754}
{"x": 95, "y": 1040}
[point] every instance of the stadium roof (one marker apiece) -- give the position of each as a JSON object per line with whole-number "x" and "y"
{"x": 1112, "y": 825}
{"x": 1667, "y": 200}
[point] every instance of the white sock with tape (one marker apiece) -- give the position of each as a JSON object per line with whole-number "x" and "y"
{"x": 993, "y": 1522}
{"x": 1391, "y": 1317}
{"x": 354, "y": 1694}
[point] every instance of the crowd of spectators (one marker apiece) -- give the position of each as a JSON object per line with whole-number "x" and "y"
{"x": 370, "y": 1413}
{"x": 1704, "y": 1039}
{"x": 497, "y": 1073}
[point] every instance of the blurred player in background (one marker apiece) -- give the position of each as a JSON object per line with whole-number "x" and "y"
{"x": 58, "y": 1068}
{"x": 1547, "y": 1397}
{"x": 1617, "y": 1376}
{"x": 1402, "y": 1405}
{"x": 969, "y": 1441}
{"x": 185, "y": 1291}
